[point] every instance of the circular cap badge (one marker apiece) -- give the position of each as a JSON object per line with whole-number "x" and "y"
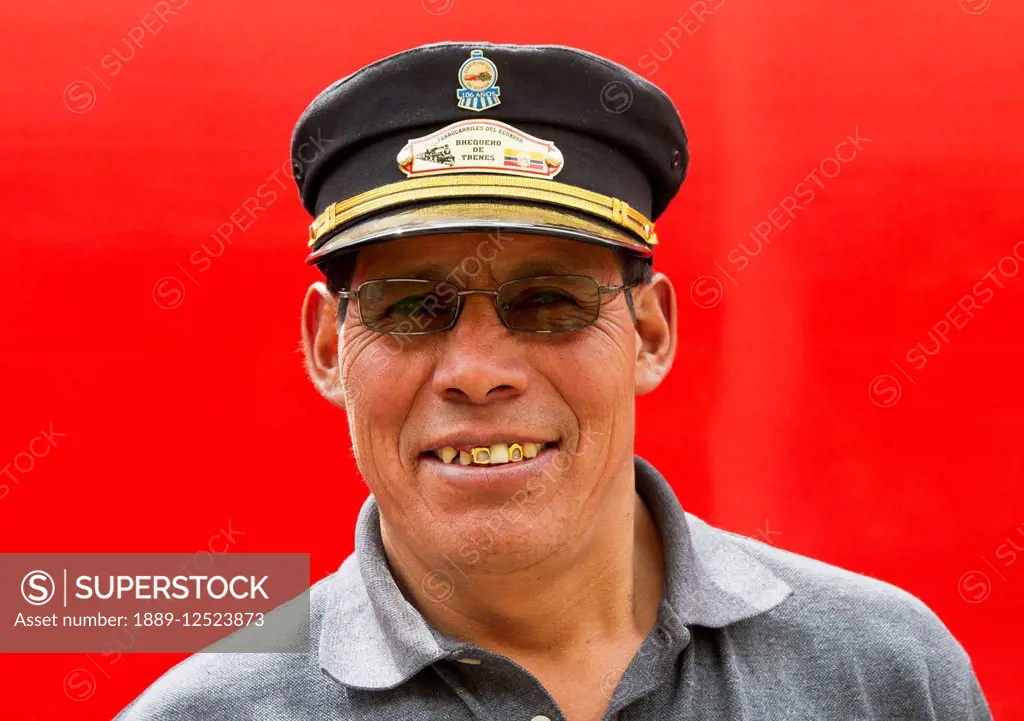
{"x": 478, "y": 77}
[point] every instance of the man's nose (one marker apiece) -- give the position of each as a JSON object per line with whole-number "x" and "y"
{"x": 480, "y": 359}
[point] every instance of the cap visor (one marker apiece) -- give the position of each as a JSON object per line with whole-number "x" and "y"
{"x": 471, "y": 217}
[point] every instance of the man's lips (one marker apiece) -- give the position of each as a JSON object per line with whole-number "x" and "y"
{"x": 494, "y": 455}
{"x": 501, "y": 478}
{"x": 486, "y": 449}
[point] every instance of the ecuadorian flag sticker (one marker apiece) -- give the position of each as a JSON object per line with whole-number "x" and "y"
{"x": 523, "y": 159}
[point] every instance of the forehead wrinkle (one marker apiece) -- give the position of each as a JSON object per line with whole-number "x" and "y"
{"x": 556, "y": 256}
{"x": 439, "y": 257}
{"x": 447, "y": 258}
{"x": 426, "y": 270}
{"x": 388, "y": 267}
{"x": 542, "y": 266}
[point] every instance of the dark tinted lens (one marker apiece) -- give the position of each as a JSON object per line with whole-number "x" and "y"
{"x": 551, "y": 304}
{"x": 407, "y": 306}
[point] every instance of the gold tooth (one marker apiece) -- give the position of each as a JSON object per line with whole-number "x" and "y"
{"x": 481, "y": 455}
{"x": 515, "y": 452}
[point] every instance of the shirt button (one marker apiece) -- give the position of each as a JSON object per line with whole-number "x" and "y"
{"x": 540, "y": 718}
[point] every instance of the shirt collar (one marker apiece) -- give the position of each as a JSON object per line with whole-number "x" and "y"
{"x": 712, "y": 579}
{"x": 373, "y": 638}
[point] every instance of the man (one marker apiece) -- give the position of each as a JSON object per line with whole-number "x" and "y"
{"x": 484, "y": 219}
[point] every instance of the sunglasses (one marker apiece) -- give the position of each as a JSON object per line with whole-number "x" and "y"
{"x": 541, "y": 304}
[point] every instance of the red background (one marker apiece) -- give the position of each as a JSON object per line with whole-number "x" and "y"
{"x": 181, "y": 420}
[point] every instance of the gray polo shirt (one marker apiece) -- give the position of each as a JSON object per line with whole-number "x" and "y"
{"x": 745, "y": 631}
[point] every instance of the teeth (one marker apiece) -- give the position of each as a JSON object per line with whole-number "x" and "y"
{"x": 499, "y": 453}
{"x": 515, "y": 452}
{"x": 490, "y": 455}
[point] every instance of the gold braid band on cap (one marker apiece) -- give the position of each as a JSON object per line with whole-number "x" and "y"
{"x": 416, "y": 190}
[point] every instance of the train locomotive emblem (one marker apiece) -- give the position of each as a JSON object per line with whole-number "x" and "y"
{"x": 440, "y": 154}
{"x": 478, "y": 77}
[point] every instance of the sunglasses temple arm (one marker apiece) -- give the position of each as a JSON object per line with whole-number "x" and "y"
{"x": 626, "y": 289}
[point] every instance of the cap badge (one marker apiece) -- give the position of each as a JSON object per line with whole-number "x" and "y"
{"x": 478, "y": 77}
{"x": 480, "y": 146}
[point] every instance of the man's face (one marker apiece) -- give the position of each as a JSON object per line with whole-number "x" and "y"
{"x": 481, "y": 385}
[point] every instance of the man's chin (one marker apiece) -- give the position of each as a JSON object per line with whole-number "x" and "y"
{"x": 502, "y": 539}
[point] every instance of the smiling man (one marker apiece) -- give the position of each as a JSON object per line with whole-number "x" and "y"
{"x": 484, "y": 219}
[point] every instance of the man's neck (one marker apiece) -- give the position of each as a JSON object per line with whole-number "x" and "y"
{"x": 602, "y": 592}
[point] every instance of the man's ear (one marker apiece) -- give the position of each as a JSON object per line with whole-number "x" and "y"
{"x": 320, "y": 342}
{"x": 655, "y": 305}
